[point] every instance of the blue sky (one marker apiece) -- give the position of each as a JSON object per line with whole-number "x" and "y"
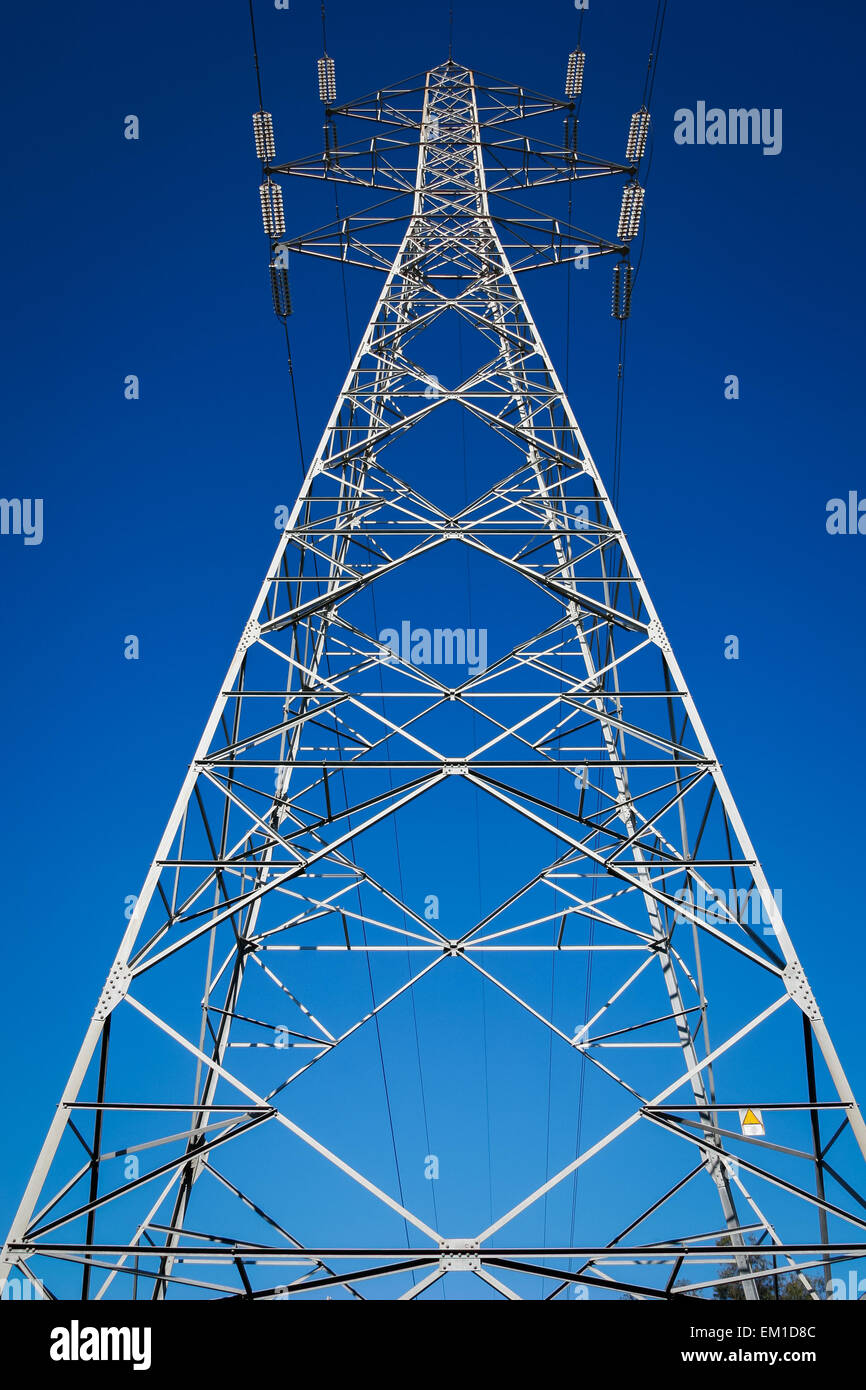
{"x": 147, "y": 257}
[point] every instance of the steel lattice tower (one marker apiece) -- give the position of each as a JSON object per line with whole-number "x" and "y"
{"x": 278, "y": 885}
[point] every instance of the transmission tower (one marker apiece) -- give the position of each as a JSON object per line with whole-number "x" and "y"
{"x": 285, "y": 1089}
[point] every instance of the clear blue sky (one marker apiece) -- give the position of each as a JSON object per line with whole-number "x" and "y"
{"x": 147, "y": 257}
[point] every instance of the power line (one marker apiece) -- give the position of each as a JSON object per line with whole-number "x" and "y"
{"x": 619, "y": 414}
{"x": 338, "y": 735}
{"x": 646, "y": 103}
{"x": 655, "y": 45}
{"x": 576, "y": 118}
{"x": 484, "y": 983}
{"x": 256, "y": 57}
{"x": 422, "y": 1090}
{"x": 295, "y": 400}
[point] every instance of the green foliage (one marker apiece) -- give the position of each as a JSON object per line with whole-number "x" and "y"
{"x": 779, "y": 1285}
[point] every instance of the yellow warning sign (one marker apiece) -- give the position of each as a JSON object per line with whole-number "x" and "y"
{"x": 751, "y": 1122}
